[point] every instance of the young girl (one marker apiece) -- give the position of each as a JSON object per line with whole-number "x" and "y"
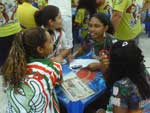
{"x": 29, "y": 75}
{"x": 99, "y": 39}
{"x": 50, "y": 18}
{"x": 128, "y": 77}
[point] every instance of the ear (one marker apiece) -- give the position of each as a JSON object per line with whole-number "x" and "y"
{"x": 39, "y": 50}
{"x": 50, "y": 22}
{"x": 106, "y": 28}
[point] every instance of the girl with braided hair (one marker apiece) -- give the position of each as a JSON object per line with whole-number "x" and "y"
{"x": 29, "y": 75}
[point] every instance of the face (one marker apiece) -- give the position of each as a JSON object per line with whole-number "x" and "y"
{"x": 58, "y": 22}
{"x": 133, "y": 9}
{"x": 96, "y": 28}
{"x": 48, "y": 46}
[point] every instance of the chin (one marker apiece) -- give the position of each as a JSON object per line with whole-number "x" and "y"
{"x": 93, "y": 37}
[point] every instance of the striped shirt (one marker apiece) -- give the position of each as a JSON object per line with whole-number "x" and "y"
{"x": 37, "y": 93}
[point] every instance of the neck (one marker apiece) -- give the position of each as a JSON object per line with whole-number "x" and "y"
{"x": 100, "y": 38}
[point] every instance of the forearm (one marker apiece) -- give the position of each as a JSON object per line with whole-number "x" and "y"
{"x": 116, "y": 18}
{"x": 65, "y": 53}
{"x": 78, "y": 52}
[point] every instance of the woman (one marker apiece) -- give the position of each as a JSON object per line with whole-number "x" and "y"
{"x": 29, "y": 75}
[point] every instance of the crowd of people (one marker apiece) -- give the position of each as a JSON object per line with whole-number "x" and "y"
{"x": 37, "y": 36}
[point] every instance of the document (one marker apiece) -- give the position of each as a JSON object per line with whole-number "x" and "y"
{"x": 75, "y": 88}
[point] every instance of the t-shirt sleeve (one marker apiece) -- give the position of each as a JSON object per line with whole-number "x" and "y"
{"x": 120, "y": 5}
{"x": 58, "y": 72}
{"x": 79, "y": 16}
{"x": 119, "y": 96}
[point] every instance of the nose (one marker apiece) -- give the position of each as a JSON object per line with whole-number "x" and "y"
{"x": 91, "y": 29}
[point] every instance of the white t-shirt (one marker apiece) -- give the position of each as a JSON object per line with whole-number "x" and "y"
{"x": 61, "y": 44}
{"x": 63, "y": 5}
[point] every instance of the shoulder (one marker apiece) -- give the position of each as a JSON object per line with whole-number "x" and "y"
{"x": 110, "y": 38}
{"x": 121, "y": 85}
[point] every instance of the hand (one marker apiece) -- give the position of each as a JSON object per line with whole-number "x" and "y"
{"x": 57, "y": 59}
{"x": 71, "y": 57}
{"x": 104, "y": 60}
{"x": 104, "y": 57}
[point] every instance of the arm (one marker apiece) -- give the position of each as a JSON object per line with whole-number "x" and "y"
{"x": 146, "y": 5}
{"x": 116, "y": 18}
{"x": 125, "y": 110}
{"x": 62, "y": 55}
{"x": 119, "y": 110}
{"x": 79, "y": 51}
{"x": 119, "y": 6}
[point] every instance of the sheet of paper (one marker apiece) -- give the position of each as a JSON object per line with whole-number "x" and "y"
{"x": 147, "y": 62}
{"x": 148, "y": 69}
{"x": 75, "y": 88}
{"x": 83, "y": 62}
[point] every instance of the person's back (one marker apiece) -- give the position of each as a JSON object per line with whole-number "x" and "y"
{"x": 105, "y": 6}
{"x": 129, "y": 96}
{"x": 25, "y": 13}
{"x": 8, "y": 23}
{"x": 129, "y": 22}
{"x": 36, "y": 89}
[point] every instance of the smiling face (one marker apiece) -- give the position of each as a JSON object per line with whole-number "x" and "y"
{"x": 97, "y": 28}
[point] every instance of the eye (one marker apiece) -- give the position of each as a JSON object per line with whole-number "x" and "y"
{"x": 98, "y": 25}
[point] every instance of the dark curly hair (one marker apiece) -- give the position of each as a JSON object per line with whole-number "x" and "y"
{"x": 126, "y": 60}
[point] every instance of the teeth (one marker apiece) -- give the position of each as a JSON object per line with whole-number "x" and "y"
{"x": 92, "y": 34}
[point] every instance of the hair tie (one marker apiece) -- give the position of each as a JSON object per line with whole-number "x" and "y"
{"x": 124, "y": 43}
{"x": 42, "y": 26}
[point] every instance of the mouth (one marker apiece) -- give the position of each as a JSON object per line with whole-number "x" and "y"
{"x": 93, "y": 34}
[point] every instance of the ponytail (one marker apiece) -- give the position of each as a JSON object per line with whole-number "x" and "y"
{"x": 45, "y": 14}
{"x": 14, "y": 69}
{"x": 38, "y": 18}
